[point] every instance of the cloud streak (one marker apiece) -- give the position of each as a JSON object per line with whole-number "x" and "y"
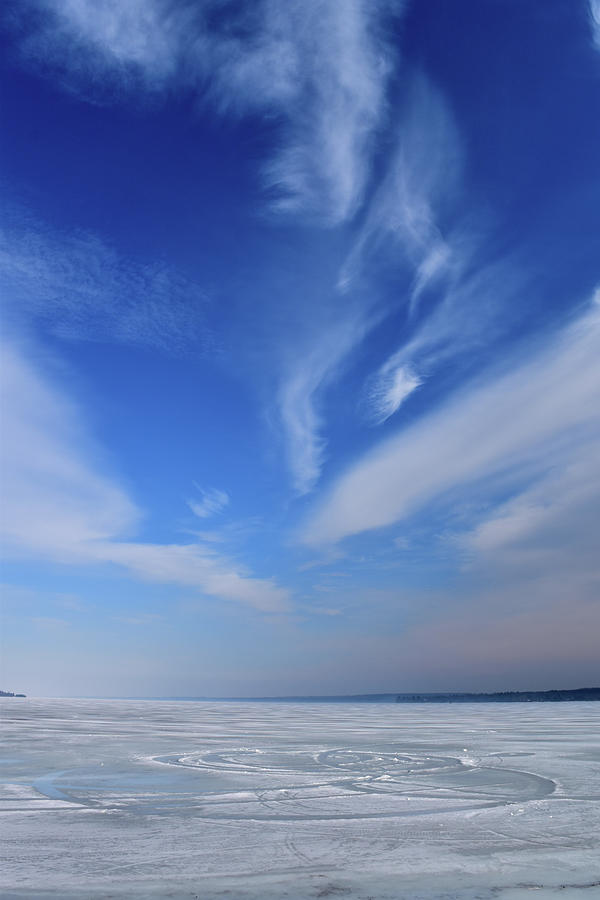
{"x": 317, "y": 72}
{"x": 392, "y": 385}
{"x": 52, "y": 498}
{"x": 403, "y": 231}
{"x": 78, "y": 288}
{"x": 594, "y": 10}
{"x": 421, "y": 182}
{"x": 321, "y": 72}
{"x": 298, "y": 397}
{"x": 58, "y": 506}
{"x": 502, "y": 423}
{"x": 337, "y": 66}
{"x": 211, "y": 502}
{"x": 320, "y": 69}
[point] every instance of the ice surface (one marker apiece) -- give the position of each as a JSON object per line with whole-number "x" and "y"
{"x": 254, "y": 800}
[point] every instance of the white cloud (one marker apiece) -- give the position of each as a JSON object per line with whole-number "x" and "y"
{"x": 53, "y": 498}
{"x": 211, "y": 502}
{"x": 594, "y": 7}
{"x": 77, "y": 287}
{"x": 194, "y": 566}
{"x": 301, "y": 425}
{"x": 320, "y": 67}
{"x": 422, "y": 178}
{"x": 527, "y": 598}
{"x": 403, "y": 230}
{"x": 336, "y": 89}
{"x": 419, "y": 226}
{"x": 297, "y": 398}
{"x": 320, "y": 70}
{"x": 58, "y": 507}
{"x": 421, "y": 181}
{"x": 550, "y": 526}
{"x": 134, "y": 44}
{"x": 517, "y": 417}
{"x": 478, "y": 303}
{"x": 392, "y": 385}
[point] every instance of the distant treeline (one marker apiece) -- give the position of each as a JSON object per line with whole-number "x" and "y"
{"x": 497, "y": 697}
{"x": 10, "y": 694}
{"x": 503, "y": 697}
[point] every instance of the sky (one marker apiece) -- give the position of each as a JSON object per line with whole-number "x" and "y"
{"x": 300, "y": 346}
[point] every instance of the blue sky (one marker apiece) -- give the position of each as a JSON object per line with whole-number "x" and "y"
{"x": 301, "y": 346}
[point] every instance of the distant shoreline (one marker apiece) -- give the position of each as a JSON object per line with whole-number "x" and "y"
{"x": 576, "y": 694}
{"x": 550, "y": 696}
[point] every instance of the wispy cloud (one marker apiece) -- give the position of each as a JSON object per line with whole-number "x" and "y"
{"x": 476, "y": 305}
{"x": 211, "y": 502}
{"x": 530, "y": 584}
{"x": 320, "y": 68}
{"x": 458, "y": 290}
{"x": 97, "y": 47}
{"x": 319, "y": 71}
{"x": 195, "y": 566}
{"x": 337, "y": 63}
{"x": 401, "y": 227}
{"x": 550, "y": 399}
{"x": 551, "y": 526}
{"x": 594, "y": 8}
{"x": 78, "y": 288}
{"x": 53, "y": 497}
{"x": 392, "y": 385}
{"x": 403, "y": 230}
{"x": 403, "y": 222}
{"x": 303, "y": 383}
{"x": 57, "y": 506}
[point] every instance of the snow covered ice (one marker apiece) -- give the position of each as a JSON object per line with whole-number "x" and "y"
{"x": 121, "y": 798}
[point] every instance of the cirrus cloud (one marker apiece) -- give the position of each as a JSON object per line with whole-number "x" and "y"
{"x": 550, "y": 399}
{"x": 58, "y": 505}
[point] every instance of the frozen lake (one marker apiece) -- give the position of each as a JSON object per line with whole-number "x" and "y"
{"x": 122, "y": 798}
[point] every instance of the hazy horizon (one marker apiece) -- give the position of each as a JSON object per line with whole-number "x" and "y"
{"x": 389, "y": 696}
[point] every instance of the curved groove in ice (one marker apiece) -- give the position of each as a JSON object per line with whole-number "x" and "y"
{"x": 301, "y": 777}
